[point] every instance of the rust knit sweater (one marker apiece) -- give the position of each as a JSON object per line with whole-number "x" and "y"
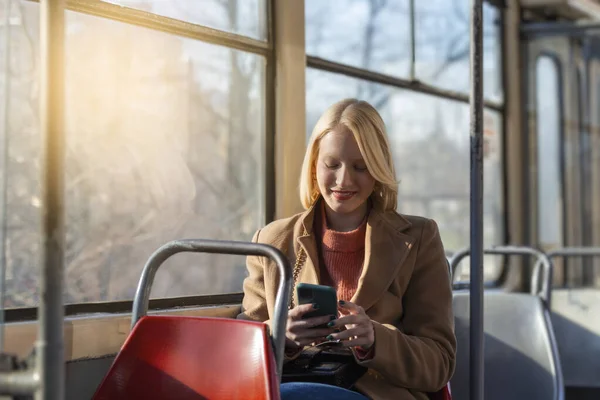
{"x": 342, "y": 256}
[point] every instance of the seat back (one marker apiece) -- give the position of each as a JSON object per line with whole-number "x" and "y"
{"x": 195, "y": 358}
{"x": 521, "y": 359}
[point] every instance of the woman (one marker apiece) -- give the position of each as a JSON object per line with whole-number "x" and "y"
{"x": 389, "y": 270}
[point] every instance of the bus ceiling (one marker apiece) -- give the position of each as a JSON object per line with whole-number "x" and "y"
{"x": 573, "y": 18}
{"x": 563, "y": 9}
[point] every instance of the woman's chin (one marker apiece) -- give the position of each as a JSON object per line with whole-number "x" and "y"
{"x": 343, "y": 207}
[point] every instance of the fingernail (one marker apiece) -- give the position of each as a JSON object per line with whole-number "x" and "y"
{"x": 331, "y": 324}
{"x": 315, "y": 306}
{"x": 342, "y": 302}
{"x": 332, "y": 317}
{"x": 330, "y": 337}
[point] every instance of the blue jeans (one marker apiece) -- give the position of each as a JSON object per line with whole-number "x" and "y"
{"x": 316, "y": 391}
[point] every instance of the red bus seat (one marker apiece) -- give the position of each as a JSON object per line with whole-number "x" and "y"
{"x": 192, "y": 358}
{"x": 443, "y": 394}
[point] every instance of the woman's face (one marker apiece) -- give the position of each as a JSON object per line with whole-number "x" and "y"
{"x": 342, "y": 175}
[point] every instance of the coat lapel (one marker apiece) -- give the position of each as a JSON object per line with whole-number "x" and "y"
{"x": 386, "y": 249}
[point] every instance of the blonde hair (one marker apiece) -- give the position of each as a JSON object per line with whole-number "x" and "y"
{"x": 368, "y": 128}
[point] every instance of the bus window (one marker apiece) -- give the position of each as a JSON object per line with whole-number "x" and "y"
{"x": 549, "y": 176}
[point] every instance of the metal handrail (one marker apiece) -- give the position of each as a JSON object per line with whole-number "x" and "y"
{"x": 543, "y": 260}
{"x": 567, "y": 252}
{"x": 142, "y": 295}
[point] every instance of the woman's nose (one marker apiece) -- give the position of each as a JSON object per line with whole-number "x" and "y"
{"x": 344, "y": 177}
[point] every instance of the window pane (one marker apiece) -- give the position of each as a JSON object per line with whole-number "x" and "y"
{"x": 244, "y": 17}
{"x": 549, "y": 154}
{"x": 430, "y": 144}
{"x": 375, "y": 35}
{"x": 442, "y": 46}
{"x": 22, "y": 174}
{"x": 370, "y": 34}
{"x": 164, "y": 141}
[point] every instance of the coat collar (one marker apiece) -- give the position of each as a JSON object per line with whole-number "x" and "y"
{"x": 386, "y": 248}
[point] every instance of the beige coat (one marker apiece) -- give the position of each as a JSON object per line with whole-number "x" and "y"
{"x": 404, "y": 288}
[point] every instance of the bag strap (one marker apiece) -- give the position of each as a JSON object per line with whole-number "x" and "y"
{"x": 300, "y": 260}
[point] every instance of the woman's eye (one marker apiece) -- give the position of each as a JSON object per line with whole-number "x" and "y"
{"x": 361, "y": 168}
{"x": 331, "y": 166}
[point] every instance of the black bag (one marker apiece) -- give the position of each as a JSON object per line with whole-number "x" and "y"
{"x": 328, "y": 363}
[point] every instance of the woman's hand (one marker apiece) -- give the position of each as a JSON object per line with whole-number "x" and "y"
{"x": 359, "y": 328}
{"x": 301, "y": 332}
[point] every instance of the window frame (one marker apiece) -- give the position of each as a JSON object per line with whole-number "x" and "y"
{"x": 264, "y": 48}
{"x": 284, "y": 115}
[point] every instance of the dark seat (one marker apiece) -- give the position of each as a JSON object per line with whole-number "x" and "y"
{"x": 192, "y": 358}
{"x": 521, "y": 359}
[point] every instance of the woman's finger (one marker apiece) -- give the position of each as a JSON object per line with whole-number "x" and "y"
{"x": 310, "y": 333}
{"x": 297, "y": 312}
{"x": 350, "y": 307}
{"x": 308, "y": 337}
{"x": 312, "y": 322}
{"x": 358, "y": 332}
{"x": 348, "y": 320}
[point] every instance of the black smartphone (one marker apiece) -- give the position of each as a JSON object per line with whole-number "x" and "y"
{"x": 324, "y": 296}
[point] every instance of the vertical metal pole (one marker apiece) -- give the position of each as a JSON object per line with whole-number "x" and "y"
{"x": 412, "y": 41}
{"x": 585, "y": 159}
{"x": 269, "y": 205}
{"x": 476, "y": 127}
{"x": 3, "y": 167}
{"x": 50, "y": 347}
